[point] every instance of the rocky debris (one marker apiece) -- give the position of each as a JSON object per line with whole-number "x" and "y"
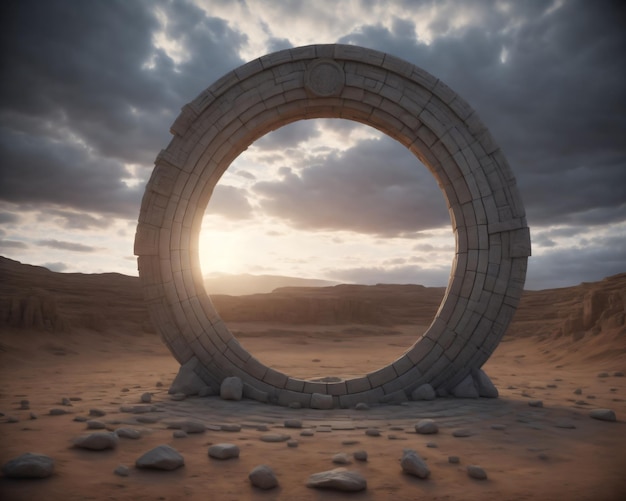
{"x": 187, "y": 380}
{"x": 94, "y": 424}
{"x": 476, "y": 472}
{"x": 162, "y": 457}
{"x": 97, "y": 441}
{"x": 80, "y": 419}
{"x": 426, "y": 427}
{"x": 96, "y": 412}
{"x": 338, "y": 479}
{"x": 275, "y": 437}
{"x": 66, "y": 402}
{"x": 57, "y": 412}
{"x": 424, "y": 392}
{"x": 137, "y": 409}
{"x": 122, "y": 471}
{"x": 535, "y": 403}
{"x": 454, "y": 459}
{"x": 413, "y": 464}
{"x": 292, "y": 443}
{"x": 466, "y": 388}
{"x": 603, "y": 414}
{"x": 231, "y": 427}
{"x": 618, "y": 374}
{"x": 187, "y": 425}
{"x": 362, "y": 406}
{"x": 462, "y": 433}
{"x": 29, "y": 465}
{"x": 321, "y": 401}
{"x": 341, "y": 458}
{"x": 12, "y": 419}
{"x": 578, "y": 391}
{"x": 360, "y": 455}
{"x": 32, "y": 415}
{"x": 231, "y": 388}
{"x": 223, "y": 451}
{"x": 262, "y": 427}
{"x": 263, "y": 477}
{"x": 293, "y": 423}
{"x": 178, "y": 397}
{"x": 307, "y": 433}
{"x": 432, "y": 445}
{"x": 128, "y": 433}
{"x": 372, "y": 432}
{"x": 603, "y": 374}
{"x": 24, "y": 405}
{"x": 499, "y": 427}
{"x": 485, "y": 386}
{"x": 146, "y": 419}
{"x": 146, "y": 398}
{"x": 179, "y": 434}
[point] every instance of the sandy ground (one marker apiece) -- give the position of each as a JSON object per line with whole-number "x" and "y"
{"x": 533, "y": 457}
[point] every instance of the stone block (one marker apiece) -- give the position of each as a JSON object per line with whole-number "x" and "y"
{"x": 321, "y": 401}
{"x": 358, "y": 385}
{"x": 382, "y": 376}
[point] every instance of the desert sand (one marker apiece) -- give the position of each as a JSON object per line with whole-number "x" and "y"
{"x": 87, "y": 339}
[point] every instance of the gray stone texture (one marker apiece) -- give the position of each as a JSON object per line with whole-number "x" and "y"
{"x": 162, "y": 457}
{"x": 29, "y": 465}
{"x": 397, "y": 98}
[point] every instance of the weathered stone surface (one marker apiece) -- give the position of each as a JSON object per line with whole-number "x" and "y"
{"x": 187, "y": 381}
{"x": 320, "y": 401}
{"x": 413, "y": 464}
{"x": 603, "y": 414}
{"x": 263, "y": 477}
{"x": 187, "y": 425}
{"x": 162, "y": 457}
{"x": 293, "y": 423}
{"x": 94, "y": 424}
{"x": 275, "y": 437}
{"x": 424, "y": 392}
{"x": 341, "y": 458}
{"x": 29, "y": 465}
{"x": 122, "y": 471}
{"x": 97, "y": 441}
{"x": 231, "y": 388}
{"x": 480, "y": 189}
{"x": 360, "y": 455}
{"x": 146, "y": 398}
{"x": 338, "y": 479}
{"x": 128, "y": 433}
{"x": 224, "y": 451}
{"x": 426, "y": 427}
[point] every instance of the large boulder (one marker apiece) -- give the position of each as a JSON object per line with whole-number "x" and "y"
{"x": 29, "y": 465}
{"x": 162, "y": 457}
{"x": 231, "y": 388}
{"x": 338, "y": 479}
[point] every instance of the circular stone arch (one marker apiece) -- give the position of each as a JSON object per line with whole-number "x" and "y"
{"x": 406, "y": 103}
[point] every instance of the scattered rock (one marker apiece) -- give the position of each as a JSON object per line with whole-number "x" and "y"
{"x": 262, "y": 427}
{"x": 535, "y": 403}
{"x": 12, "y": 419}
{"x": 29, "y": 465}
{"x": 413, "y": 464}
{"x": 431, "y": 445}
{"x": 95, "y": 425}
{"x": 187, "y": 381}
{"x": 476, "y": 472}
{"x": 372, "y": 432}
{"x": 484, "y": 385}
{"x": 146, "y": 419}
{"x": 498, "y": 427}
{"x": 96, "y": 412}
{"x": 341, "y": 458}
{"x": 426, "y": 427}
{"x": 162, "y": 457}
{"x": 603, "y": 414}
{"x": 603, "y": 374}
{"x": 292, "y": 443}
{"x": 97, "y": 441}
{"x": 454, "y": 459}
{"x": 542, "y": 455}
{"x": 179, "y": 434}
{"x": 578, "y": 391}
{"x": 462, "y": 433}
{"x": 137, "y": 409}
{"x": 362, "y": 406}
{"x": 146, "y": 398}
{"x": 231, "y": 388}
{"x": 159, "y": 384}
{"x": 338, "y": 479}
{"x": 307, "y": 433}
{"x": 187, "y": 425}
{"x": 57, "y": 412}
{"x": 231, "y": 427}
{"x": 293, "y": 423}
{"x": 124, "y": 390}
{"x": 224, "y": 451}
{"x": 122, "y": 471}
{"x": 466, "y": 388}
{"x": 66, "y": 402}
{"x": 24, "y": 405}
{"x": 321, "y": 401}
{"x": 618, "y": 374}
{"x": 360, "y": 455}
{"x": 424, "y": 392}
{"x": 275, "y": 437}
{"x": 178, "y": 397}
{"x": 32, "y": 415}
{"x": 128, "y": 433}
{"x": 80, "y": 419}
{"x": 263, "y": 477}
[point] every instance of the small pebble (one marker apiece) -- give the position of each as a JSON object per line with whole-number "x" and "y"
{"x": 33, "y": 415}
{"x": 453, "y": 459}
{"x": 476, "y": 472}
{"x": 362, "y": 406}
{"x": 80, "y": 419}
{"x": 360, "y": 455}
{"x": 578, "y": 391}
{"x": 66, "y": 402}
{"x": 462, "y": 433}
{"x": 293, "y": 423}
{"x": 535, "y": 403}
{"x": 262, "y": 427}
{"x": 96, "y": 412}
{"x": 159, "y": 384}
{"x": 24, "y": 405}
{"x": 341, "y": 458}
{"x": 307, "y": 433}
{"x": 263, "y": 477}
{"x": 223, "y": 451}
{"x": 372, "y": 432}
{"x": 12, "y": 419}
{"x": 146, "y": 398}
{"x": 498, "y": 427}
{"x": 292, "y": 443}
{"x": 95, "y": 425}
{"x": 432, "y": 445}
{"x": 179, "y": 434}
{"x": 603, "y": 414}
{"x": 603, "y": 374}
{"x": 57, "y": 412}
{"x": 426, "y": 427}
{"x": 122, "y": 471}
{"x": 231, "y": 427}
{"x": 618, "y": 374}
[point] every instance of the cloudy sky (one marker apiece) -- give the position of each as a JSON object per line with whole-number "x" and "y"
{"x": 89, "y": 90}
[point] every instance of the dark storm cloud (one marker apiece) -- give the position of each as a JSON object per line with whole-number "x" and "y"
{"x": 377, "y": 187}
{"x": 84, "y": 90}
{"x": 68, "y": 246}
{"x": 556, "y": 105}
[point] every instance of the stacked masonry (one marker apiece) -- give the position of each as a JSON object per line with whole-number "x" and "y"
{"x": 404, "y": 102}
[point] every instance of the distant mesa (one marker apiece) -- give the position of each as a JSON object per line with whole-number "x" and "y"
{"x": 245, "y": 283}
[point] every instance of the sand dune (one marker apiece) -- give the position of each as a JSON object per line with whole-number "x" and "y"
{"x": 87, "y": 338}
